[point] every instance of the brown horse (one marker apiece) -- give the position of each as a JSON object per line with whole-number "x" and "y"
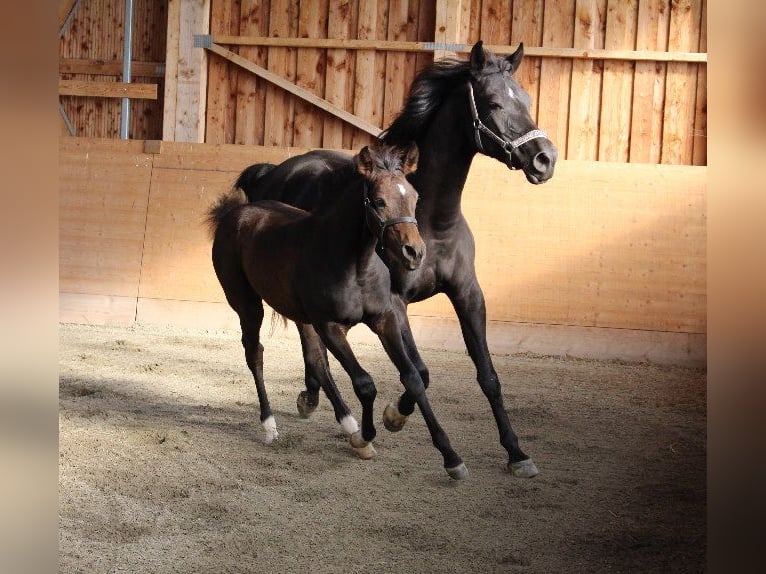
{"x": 322, "y": 270}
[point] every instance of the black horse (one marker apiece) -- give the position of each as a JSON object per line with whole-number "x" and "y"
{"x": 454, "y": 110}
{"x": 321, "y": 270}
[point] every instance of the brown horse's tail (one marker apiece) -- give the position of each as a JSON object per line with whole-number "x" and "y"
{"x": 221, "y": 208}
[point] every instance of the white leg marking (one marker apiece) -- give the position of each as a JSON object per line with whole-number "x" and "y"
{"x": 349, "y": 424}
{"x": 271, "y": 429}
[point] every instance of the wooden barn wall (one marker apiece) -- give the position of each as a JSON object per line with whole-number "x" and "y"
{"x": 622, "y": 110}
{"x": 606, "y": 260}
{"x": 93, "y": 42}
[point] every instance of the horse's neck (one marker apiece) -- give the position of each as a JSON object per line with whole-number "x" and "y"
{"x": 445, "y": 159}
{"x": 345, "y": 229}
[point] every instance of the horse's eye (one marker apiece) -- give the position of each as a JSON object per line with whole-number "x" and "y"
{"x": 380, "y": 203}
{"x": 495, "y": 106}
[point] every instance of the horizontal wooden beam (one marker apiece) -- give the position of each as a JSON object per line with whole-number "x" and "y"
{"x": 386, "y": 46}
{"x": 108, "y": 89}
{"x": 110, "y": 68}
{"x": 295, "y": 90}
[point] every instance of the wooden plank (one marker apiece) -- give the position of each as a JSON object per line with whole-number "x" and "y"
{"x": 172, "y": 39}
{"x": 192, "y": 72}
{"x": 107, "y": 89}
{"x": 699, "y": 154}
{"x": 555, "y": 74}
{"x": 110, "y": 67}
{"x": 585, "y": 100}
{"x": 465, "y": 48}
{"x": 338, "y": 71}
{"x": 251, "y": 95}
{"x": 649, "y": 83}
{"x": 396, "y": 62}
{"x": 364, "y": 79}
{"x": 614, "y": 136}
{"x": 229, "y": 158}
{"x": 496, "y": 22}
{"x": 527, "y": 27}
{"x": 448, "y": 20}
{"x": 103, "y": 196}
{"x": 681, "y": 84}
{"x": 176, "y": 258}
{"x": 281, "y": 62}
{"x": 90, "y": 309}
{"x": 217, "y": 111}
{"x": 310, "y": 73}
{"x": 280, "y": 82}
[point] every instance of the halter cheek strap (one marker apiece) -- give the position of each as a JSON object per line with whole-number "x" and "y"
{"x": 480, "y": 127}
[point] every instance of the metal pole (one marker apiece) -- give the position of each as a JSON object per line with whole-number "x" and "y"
{"x": 127, "y": 54}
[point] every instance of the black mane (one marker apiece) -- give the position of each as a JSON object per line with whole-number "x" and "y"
{"x": 427, "y": 93}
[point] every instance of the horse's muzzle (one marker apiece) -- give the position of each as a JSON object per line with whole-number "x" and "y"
{"x": 412, "y": 255}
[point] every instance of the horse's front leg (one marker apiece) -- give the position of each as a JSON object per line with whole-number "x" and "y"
{"x": 333, "y": 336}
{"x": 389, "y": 329}
{"x": 472, "y": 314}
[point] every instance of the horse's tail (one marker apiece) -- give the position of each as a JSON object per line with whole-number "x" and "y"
{"x": 248, "y": 179}
{"x": 222, "y": 207}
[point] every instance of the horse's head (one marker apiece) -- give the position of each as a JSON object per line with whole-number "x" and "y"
{"x": 390, "y": 201}
{"x": 502, "y": 125}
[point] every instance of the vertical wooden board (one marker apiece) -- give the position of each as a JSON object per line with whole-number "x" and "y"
{"x": 171, "y": 71}
{"x": 218, "y": 73}
{"x": 103, "y": 194}
{"x": 176, "y": 263}
{"x": 310, "y": 73}
{"x": 232, "y": 77}
{"x": 426, "y": 30}
{"x": 555, "y": 73}
{"x": 681, "y": 83}
{"x": 396, "y": 62}
{"x": 496, "y": 22}
{"x": 617, "y": 99}
{"x": 649, "y": 83}
{"x": 699, "y": 156}
{"x": 364, "y": 79}
{"x": 527, "y": 27}
{"x": 379, "y": 91}
{"x": 254, "y": 18}
{"x": 280, "y": 105}
{"x": 585, "y": 101}
{"x": 192, "y": 72}
{"x": 473, "y": 12}
{"x": 338, "y": 74}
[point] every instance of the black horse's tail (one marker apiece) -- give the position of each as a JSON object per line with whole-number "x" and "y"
{"x": 221, "y": 208}
{"x": 248, "y": 179}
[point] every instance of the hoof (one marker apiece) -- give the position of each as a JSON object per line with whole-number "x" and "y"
{"x": 364, "y": 449}
{"x": 458, "y": 472}
{"x": 305, "y": 408}
{"x": 523, "y": 469}
{"x": 270, "y": 425}
{"x": 393, "y": 420}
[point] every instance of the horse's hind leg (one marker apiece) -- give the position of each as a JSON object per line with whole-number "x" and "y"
{"x": 250, "y": 320}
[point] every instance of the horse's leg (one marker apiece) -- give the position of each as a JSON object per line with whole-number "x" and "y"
{"x": 395, "y": 414}
{"x": 250, "y": 318}
{"x": 318, "y": 376}
{"x": 334, "y": 337}
{"x": 472, "y": 314}
{"x": 389, "y": 329}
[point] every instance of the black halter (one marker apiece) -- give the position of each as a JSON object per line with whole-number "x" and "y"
{"x": 379, "y": 225}
{"x": 506, "y": 146}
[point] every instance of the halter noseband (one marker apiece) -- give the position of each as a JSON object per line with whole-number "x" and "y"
{"x": 382, "y": 224}
{"x": 506, "y": 146}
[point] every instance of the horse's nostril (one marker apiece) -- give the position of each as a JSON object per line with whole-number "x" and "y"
{"x": 542, "y": 162}
{"x": 410, "y": 252}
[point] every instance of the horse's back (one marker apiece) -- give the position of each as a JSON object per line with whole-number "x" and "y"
{"x": 304, "y": 181}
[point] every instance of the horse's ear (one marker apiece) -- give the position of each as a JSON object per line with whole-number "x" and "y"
{"x": 478, "y": 57}
{"x": 515, "y": 58}
{"x": 410, "y": 158}
{"x": 364, "y": 162}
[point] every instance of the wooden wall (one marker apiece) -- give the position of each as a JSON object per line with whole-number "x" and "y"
{"x": 605, "y": 260}
{"x": 611, "y": 80}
